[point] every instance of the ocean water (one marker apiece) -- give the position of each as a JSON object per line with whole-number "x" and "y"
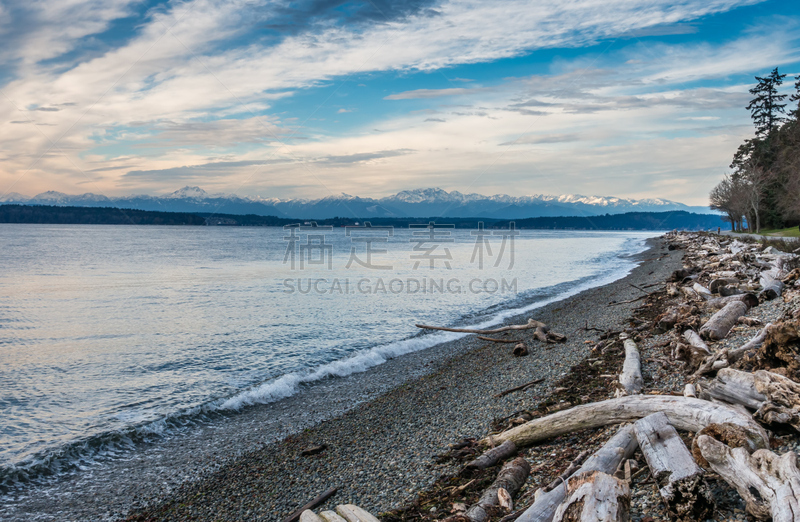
{"x": 111, "y": 335}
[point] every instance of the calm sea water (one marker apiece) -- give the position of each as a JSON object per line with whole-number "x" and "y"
{"x": 116, "y": 332}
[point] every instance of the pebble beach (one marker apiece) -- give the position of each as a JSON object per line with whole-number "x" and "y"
{"x": 382, "y": 453}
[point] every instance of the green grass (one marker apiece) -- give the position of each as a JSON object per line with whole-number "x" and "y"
{"x": 781, "y": 232}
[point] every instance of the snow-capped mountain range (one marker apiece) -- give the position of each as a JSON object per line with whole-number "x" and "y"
{"x": 427, "y": 202}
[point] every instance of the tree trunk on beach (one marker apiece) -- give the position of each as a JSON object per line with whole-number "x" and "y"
{"x": 684, "y": 413}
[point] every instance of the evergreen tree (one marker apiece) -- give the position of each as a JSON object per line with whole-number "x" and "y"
{"x": 766, "y": 108}
{"x": 795, "y": 97}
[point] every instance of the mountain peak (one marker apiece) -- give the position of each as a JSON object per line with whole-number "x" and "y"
{"x": 188, "y": 192}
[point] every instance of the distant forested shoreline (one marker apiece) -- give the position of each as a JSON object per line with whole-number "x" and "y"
{"x": 56, "y": 215}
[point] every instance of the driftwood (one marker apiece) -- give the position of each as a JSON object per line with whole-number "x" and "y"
{"x": 783, "y": 399}
{"x": 532, "y": 324}
{"x": 771, "y": 284}
{"x": 313, "y": 450}
{"x": 749, "y": 299}
{"x": 684, "y": 413}
{"x": 310, "y": 516}
{"x": 753, "y": 344}
{"x": 769, "y": 483}
{"x": 607, "y": 459}
{"x": 519, "y": 388}
{"x": 715, "y": 285}
{"x": 493, "y": 456}
{"x": 311, "y": 505}
{"x": 631, "y": 377}
{"x": 567, "y": 473}
{"x": 679, "y": 478}
{"x": 735, "y": 387}
{"x": 721, "y": 322}
{"x": 352, "y": 513}
{"x": 331, "y": 516}
{"x": 595, "y": 496}
{"x": 696, "y": 341}
{"x": 520, "y": 350}
{"x": 702, "y": 291}
{"x": 510, "y": 479}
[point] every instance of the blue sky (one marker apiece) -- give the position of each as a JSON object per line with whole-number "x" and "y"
{"x": 630, "y": 98}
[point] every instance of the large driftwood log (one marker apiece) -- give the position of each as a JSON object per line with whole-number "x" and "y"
{"x": 531, "y": 324}
{"x": 783, "y": 399}
{"x": 775, "y": 397}
{"x": 721, "y": 322}
{"x": 684, "y": 413}
{"x": 769, "y": 483}
{"x": 309, "y": 516}
{"x": 679, "y": 478}
{"x": 749, "y": 299}
{"x": 735, "y": 387}
{"x": 607, "y": 459}
{"x": 352, "y": 513}
{"x": 772, "y": 288}
{"x": 511, "y": 478}
{"x": 595, "y": 496}
{"x": 631, "y": 377}
{"x": 494, "y": 455}
{"x": 330, "y": 516}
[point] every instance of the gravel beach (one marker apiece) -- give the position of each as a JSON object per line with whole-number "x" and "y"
{"x": 381, "y": 453}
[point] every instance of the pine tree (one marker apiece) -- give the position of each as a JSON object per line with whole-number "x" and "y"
{"x": 795, "y": 97}
{"x": 766, "y": 108}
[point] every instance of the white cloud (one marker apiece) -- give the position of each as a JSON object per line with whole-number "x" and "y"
{"x": 173, "y": 75}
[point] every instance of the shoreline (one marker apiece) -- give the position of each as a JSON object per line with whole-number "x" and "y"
{"x": 164, "y": 475}
{"x": 381, "y": 452}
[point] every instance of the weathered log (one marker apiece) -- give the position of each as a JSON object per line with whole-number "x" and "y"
{"x": 772, "y": 288}
{"x": 702, "y": 291}
{"x": 519, "y": 388}
{"x": 753, "y": 344}
{"x": 620, "y": 447}
{"x": 684, "y": 413}
{"x": 313, "y": 450}
{"x": 723, "y": 281}
{"x": 735, "y": 387}
{"x": 531, "y": 324}
{"x": 749, "y": 299}
{"x": 511, "y": 478}
{"x": 721, "y": 322}
{"x": 690, "y": 390}
{"x": 727, "y": 291}
{"x": 769, "y": 483}
{"x": 782, "y": 394}
{"x": 520, "y": 350}
{"x": 311, "y": 505}
{"x": 631, "y": 377}
{"x": 595, "y": 497}
{"x": 352, "y": 513}
{"x": 540, "y": 333}
{"x": 729, "y": 434}
{"x": 695, "y": 340}
{"x": 330, "y": 516}
{"x": 679, "y": 478}
{"x": 493, "y": 456}
{"x": 309, "y": 516}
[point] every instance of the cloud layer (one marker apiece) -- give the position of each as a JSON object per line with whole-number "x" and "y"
{"x": 132, "y": 96}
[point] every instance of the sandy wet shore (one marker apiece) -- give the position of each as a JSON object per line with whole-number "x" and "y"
{"x": 382, "y": 452}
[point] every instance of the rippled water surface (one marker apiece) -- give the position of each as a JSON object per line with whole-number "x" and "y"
{"x": 110, "y": 331}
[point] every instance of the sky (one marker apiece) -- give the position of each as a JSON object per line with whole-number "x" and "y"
{"x": 312, "y": 98}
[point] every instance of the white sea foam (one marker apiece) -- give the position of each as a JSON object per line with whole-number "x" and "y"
{"x": 289, "y": 384}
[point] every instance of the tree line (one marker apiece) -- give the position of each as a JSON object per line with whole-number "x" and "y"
{"x": 763, "y": 188}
